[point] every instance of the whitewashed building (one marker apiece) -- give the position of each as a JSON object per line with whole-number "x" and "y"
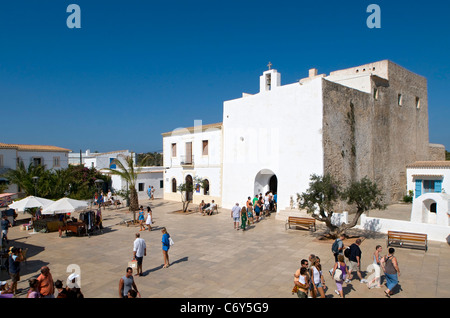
{"x": 193, "y": 152}
{"x": 51, "y": 157}
{"x": 351, "y": 123}
{"x": 100, "y": 160}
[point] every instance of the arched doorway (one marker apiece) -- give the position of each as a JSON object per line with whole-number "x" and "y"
{"x": 189, "y": 187}
{"x": 265, "y": 180}
{"x": 273, "y": 184}
{"x": 429, "y": 211}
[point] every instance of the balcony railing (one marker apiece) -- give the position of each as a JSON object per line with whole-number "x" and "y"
{"x": 187, "y": 160}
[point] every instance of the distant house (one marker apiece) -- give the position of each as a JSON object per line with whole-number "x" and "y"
{"x": 100, "y": 160}
{"x": 11, "y": 155}
{"x": 428, "y": 177}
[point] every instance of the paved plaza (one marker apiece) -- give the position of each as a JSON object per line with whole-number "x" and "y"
{"x": 212, "y": 260}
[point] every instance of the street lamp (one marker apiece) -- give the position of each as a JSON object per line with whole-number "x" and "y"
{"x": 35, "y": 181}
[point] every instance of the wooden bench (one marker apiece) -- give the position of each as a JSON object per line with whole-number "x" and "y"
{"x": 306, "y": 223}
{"x": 404, "y": 239}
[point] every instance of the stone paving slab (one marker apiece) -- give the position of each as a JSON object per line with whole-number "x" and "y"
{"x": 212, "y": 260}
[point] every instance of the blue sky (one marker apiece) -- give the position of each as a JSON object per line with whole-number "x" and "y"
{"x": 138, "y": 68}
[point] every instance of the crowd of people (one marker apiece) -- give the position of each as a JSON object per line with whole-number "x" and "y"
{"x": 41, "y": 287}
{"x": 309, "y": 281}
{"x": 254, "y": 210}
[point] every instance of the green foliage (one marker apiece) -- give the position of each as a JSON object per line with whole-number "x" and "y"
{"x": 447, "y": 155}
{"x": 324, "y": 192}
{"x": 150, "y": 159}
{"x": 128, "y": 172}
{"x": 322, "y": 195}
{"x": 409, "y": 197}
{"x": 365, "y": 194}
{"x": 76, "y": 182}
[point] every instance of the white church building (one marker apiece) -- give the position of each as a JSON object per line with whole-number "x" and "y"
{"x": 351, "y": 123}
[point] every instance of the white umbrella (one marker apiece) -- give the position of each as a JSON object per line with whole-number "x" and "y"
{"x": 65, "y": 205}
{"x": 30, "y": 202}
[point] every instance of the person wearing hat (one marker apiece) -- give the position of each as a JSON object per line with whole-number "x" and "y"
{"x": 5, "y": 289}
{"x": 46, "y": 286}
{"x": 73, "y": 287}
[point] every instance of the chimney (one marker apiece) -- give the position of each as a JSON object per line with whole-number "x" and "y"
{"x": 313, "y": 72}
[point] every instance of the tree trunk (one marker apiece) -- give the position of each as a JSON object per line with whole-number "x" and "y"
{"x": 134, "y": 203}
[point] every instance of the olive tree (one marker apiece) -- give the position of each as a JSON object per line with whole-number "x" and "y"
{"x": 325, "y": 192}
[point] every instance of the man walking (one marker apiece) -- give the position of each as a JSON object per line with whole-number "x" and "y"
{"x": 126, "y": 283}
{"x": 235, "y": 214}
{"x": 139, "y": 251}
{"x": 355, "y": 261}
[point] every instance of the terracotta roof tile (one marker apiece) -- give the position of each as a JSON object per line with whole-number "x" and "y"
{"x": 429, "y": 164}
{"x": 33, "y": 147}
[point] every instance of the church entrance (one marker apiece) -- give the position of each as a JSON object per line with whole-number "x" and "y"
{"x": 265, "y": 180}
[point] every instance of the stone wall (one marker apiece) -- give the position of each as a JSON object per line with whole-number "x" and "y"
{"x": 437, "y": 152}
{"x": 367, "y": 134}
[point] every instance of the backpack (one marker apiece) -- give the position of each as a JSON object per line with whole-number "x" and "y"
{"x": 347, "y": 252}
{"x": 335, "y": 246}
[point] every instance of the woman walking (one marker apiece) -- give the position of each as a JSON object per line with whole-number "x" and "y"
{"x": 149, "y": 221}
{"x": 339, "y": 267}
{"x": 141, "y": 218}
{"x": 391, "y": 271}
{"x": 243, "y": 218}
{"x": 317, "y": 279}
{"x": 376, "y": 281}
{"x": 165, "y": 247}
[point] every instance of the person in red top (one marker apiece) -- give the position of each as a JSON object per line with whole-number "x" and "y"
{"x": 46, "y": 286}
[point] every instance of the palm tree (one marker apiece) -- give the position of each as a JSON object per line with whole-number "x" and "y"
{"x": 129, "y": 173}
{"x": 24, "y": 178}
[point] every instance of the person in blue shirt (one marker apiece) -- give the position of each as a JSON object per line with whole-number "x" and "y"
{"x": 14, "y": 267}
{"x": 141, "y": 218}
{"x": 165, "y": 246}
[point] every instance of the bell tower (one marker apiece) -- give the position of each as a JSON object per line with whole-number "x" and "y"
{"x": 269, "y": 80}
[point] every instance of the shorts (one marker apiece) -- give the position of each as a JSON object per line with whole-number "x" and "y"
{"x": 236, "y": 219}
{"x": 15, "y": 277}
{"x": 319, "y": 285}
{"x": 139, "y": 260}
{"x": 301, "y": 294}
{"x": 354, "y": 266}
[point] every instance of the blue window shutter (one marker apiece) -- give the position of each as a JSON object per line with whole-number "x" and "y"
{"x": 438, "y": 186}
{"x": 111, "y": 164}
{"x": 418, "y": 188}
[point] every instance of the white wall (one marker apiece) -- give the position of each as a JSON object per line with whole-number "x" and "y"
{"x": 278, "y": 130}
{"x": 435, "y": 232}
{"x": 46, "y": 158}
{"x": 206, "y": 167}
{"x": 427, "y": 174}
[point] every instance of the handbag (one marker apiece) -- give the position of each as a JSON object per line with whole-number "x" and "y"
{"x": 337, "y": 274}
{"x": 171, "y": 241}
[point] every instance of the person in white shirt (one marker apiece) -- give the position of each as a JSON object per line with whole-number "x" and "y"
{"x": 236, "y": 214}
{"x": 209, "y": 210}
{"x": 139, "y": 251}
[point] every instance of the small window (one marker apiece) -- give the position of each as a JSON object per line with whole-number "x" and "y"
{"x": 1, "y": 161}
{"x": 375, "y": 93}
{"x": 37, "y": 161}
{"x": 161, "y": 184}
{"x": 400, "y": 100}
{"x": 174, "y": 185}
{"x": 417, "y": 102}
{"x": 56, "y": 162}
{"x": 174, "y": 150}
{"x": 141, "y": 187}
{"x": 205, "y": 148}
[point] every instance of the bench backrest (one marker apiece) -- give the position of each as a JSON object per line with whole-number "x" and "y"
{"x": 408, "y": 236}
{"x": 299, "y": 219}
